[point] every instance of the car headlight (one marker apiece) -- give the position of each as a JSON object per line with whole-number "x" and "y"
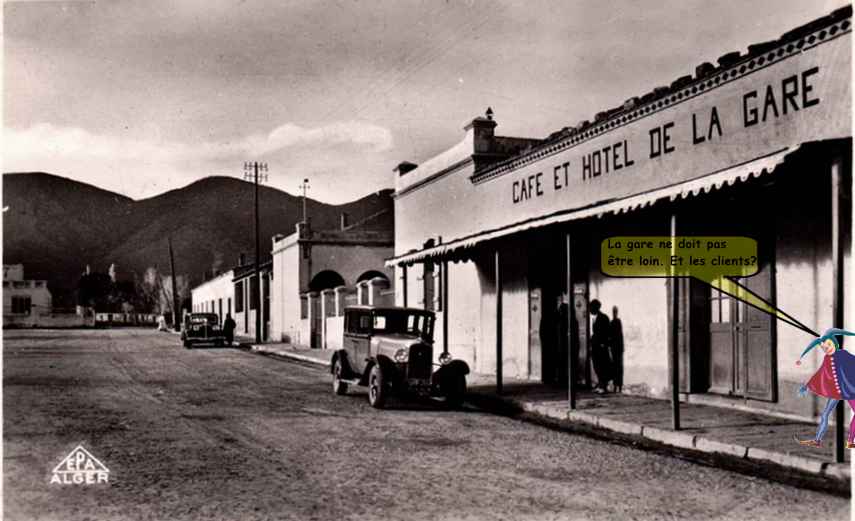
{"x": 401, "y": 355}
{"x": 445, "y": 358}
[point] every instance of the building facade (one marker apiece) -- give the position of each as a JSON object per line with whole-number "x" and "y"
{"x": 216, "y": 295}
{"x": 317, "y": 273}
{"x": 503, "y": 236}
{"x": 26, "y": 303}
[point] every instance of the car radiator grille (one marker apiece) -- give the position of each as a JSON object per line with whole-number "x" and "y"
{"x": 419, "y": 361}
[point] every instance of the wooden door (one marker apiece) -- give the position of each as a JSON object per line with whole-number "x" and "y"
{"x": 753, "y": 339}
{"x": 741, "y": 343}
{"x": 535, "y": 345}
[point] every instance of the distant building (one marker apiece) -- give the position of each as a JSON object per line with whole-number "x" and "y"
{"x": 25, "y": 302}
{"x": 245, "y": 289}
{"x": 215, "y": 295}
{"x": 316, "y": 273}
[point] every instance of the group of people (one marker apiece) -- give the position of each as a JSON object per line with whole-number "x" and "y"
{"x": 606, "y": 348}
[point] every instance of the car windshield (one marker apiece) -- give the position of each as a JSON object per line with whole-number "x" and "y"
{"x": 404, "y": 322}
{"x": 203, "y": 319}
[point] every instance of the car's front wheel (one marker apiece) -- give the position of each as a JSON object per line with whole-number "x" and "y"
{"x": 377, "y": 387}
{"x": 339, "y": 387}
{"x": 188, "y": 344}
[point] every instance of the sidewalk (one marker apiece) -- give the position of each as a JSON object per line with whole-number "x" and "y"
{"x": 758, "y": 442}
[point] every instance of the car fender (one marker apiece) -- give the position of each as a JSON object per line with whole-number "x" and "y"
{"x": 341, "y": 354}
{"x": 384, "y": 362}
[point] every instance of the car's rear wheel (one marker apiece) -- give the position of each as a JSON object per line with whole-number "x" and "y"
{"x": 377, "y": 387}
{"x": 188, "y": 344}
{"x": 338, "y": 386}
{"x": 455, "y": 390}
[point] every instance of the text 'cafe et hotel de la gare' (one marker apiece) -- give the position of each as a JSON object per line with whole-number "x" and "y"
{"x": 497, "y": 233}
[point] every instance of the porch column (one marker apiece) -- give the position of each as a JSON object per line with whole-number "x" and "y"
{"x": 444, "y": 304}
{"x": 837, "y": 241}
{"x": 404, "y": 282}
{"x": 674, "y": 336}
{"x": 571, "y": 358}
{"x": 498, "y": 323}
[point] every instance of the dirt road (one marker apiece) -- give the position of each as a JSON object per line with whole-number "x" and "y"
{"x": 222, "y": 434}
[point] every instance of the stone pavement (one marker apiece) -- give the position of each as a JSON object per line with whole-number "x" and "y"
{"x": 749, "y": 440}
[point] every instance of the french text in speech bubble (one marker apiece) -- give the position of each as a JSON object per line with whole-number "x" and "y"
{"x": 715, "y": 260}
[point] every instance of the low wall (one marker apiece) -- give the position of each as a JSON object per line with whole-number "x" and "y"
{"x": 59, "y": 320}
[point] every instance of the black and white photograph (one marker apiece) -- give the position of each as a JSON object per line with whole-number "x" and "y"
{"x": 427, "y": 260}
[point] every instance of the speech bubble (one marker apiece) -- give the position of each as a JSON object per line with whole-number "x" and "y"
{"x": 714, "y": 260}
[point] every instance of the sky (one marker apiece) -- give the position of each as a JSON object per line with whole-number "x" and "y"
{"x": 141, "y": 97}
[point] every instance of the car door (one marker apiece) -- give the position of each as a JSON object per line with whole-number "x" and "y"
{"x": 356, "y": 339}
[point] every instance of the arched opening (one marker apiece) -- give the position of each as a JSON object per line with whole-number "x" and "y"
{"x": 371, "y": 274}
{"x": 326, "y": 279}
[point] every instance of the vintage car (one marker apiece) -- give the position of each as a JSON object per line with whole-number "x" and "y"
{"x": 202, "y": 328}
{"x": 390, "y": 350}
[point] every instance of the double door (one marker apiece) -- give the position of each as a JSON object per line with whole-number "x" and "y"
{"x": 741, "y": 342}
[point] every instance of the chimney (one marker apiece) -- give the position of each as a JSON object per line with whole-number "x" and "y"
{"x": 343, "y": 220}
{"x": 241, "y": 259}
{"x": 404, "y": 167}
{"x": 482, "y": 132}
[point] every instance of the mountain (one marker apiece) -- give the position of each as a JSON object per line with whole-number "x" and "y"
{"x": 56, "y": 226}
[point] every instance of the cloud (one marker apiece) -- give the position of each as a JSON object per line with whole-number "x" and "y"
{"x": 146, "y": 167}
{"x": 47, "y": 140}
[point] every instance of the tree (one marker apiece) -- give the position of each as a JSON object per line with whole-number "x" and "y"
{"x": 95, "y": 290}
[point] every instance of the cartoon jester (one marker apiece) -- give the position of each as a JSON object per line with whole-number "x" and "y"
{"x": 835, "y": 380}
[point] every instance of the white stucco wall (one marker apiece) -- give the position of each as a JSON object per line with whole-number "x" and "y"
{"x": 285, "y": 292}
{"x": 206, "y": 296}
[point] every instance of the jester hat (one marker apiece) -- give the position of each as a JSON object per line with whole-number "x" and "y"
{"x": 828, "y": 335}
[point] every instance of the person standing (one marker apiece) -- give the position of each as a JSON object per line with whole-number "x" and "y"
{"x": 616, "y": 347}
{"x": 600, "y": 335}
{"x": 229, "y": 329}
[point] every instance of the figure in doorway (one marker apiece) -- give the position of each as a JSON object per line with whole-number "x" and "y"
{"x": 616, "y": 345}
{"x": 600, "y": 333}
{"x": 229, "y": 329}
{"x": 835, "y": 380}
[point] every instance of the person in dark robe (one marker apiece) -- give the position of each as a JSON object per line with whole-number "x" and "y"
{"x": 616, "y": 349}
{"x": 229, "y": 329}
{"x": 835, "y": 380}
{"x": 600, "y": 333}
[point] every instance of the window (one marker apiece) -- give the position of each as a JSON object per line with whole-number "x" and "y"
{"x": 21, "y": 305}
{"x": 239, "y": 297}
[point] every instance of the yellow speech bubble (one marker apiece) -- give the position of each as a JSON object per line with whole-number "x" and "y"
{"x": 715, "y": 260}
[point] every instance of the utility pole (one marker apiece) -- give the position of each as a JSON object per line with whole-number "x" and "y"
{"x": 175, "y": 325}
{"x": 255, "y": 171}
{"x": 305, "y": 186}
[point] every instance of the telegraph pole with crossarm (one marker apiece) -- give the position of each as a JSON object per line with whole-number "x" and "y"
{"x": 256, "y": 172}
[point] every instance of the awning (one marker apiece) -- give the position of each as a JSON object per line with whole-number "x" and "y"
{"x": 704, "y": 184}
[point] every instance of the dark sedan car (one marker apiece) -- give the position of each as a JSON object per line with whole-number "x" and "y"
{"x": 390, "y": 350}
{"x": 202, "y": 328}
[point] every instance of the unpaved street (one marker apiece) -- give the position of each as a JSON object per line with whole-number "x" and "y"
{"x": 222, "y": 434}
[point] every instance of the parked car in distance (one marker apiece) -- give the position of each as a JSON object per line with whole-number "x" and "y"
{"x": 390, "y": 350}
{"x": 202, "y": 328}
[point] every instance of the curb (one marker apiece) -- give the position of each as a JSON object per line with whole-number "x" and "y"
{"x": 840, "y": 473}
{"x": 287, "y": 355}
{"x": 739, "y": 455}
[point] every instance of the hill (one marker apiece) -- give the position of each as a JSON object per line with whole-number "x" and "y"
{"x": 56, "y": 226}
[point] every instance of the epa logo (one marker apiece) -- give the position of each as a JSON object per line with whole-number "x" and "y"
{"x": 80, "y": 468}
